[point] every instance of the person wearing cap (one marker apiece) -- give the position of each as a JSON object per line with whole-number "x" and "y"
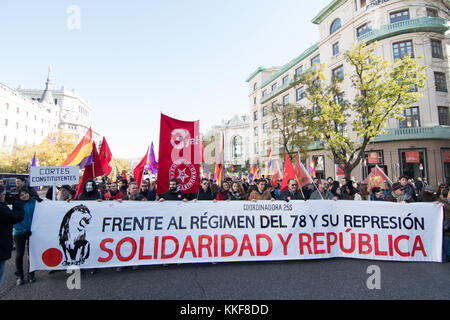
{"x": 427, "y": 194}
{"x": 398, "y": 194}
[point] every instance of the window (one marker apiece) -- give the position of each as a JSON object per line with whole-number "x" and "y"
{"x": 436, "y": 49}
{"x": 265, "y": 111}
{"x": 399, "y": 16}
{"x": 7, "y": 106}
{"x": 440, "y": 81}
{"x": 256, "y": 148}
{"x": 237, "y": 146}
{"x": 432, "y": 12}
{"x": 335, "y": 48}
{"x": 299, "y": 70}
{"x": 285, "y": 80}
{"x": 274, "y": 124}
{"x": 315, "y": 60}
{"x": 255, "y": 86}
{"x": 17, "y": 125}
{"x": 265, "y": 127}
{"x": 367, "y": 27}
{"x": 443, "y": 116}
{"x": 300, "y": 93}
{"x": 286, "y": 100}
{"x": 336, "y": 25}
{"x": 254, "y": 100}
{"x": 274, "y": 86}
{"x": 264, "y": 93}
{"x": 255, "y": 131}
{"x": 319, "y": 164}
{"x": 413, "y": 163}
{"x": 6, "y": 122}
{"x": 401, "y": 49}
{"x": 363, "y": 3}
{"x": 255, "y": 115}
{"x": 338, "y": 73}
{"x": 412, "y": 119}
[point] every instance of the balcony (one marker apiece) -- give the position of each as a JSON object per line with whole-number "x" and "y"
{"x": 424, "y": 24}
{"x": 419, "y": 133}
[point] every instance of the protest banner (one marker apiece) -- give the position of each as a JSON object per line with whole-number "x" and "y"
{"x": 111, "y": 234}
{"x": 49, "y": 176}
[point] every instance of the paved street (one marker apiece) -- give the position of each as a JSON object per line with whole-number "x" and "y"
{"x": 284, "y": 280}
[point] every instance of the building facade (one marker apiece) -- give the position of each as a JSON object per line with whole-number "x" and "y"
{"x": 29, "y": 115}
{"x": 236, "y": 135}
{"x": 419, "y": 146}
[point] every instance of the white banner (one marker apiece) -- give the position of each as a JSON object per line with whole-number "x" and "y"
{"x": 92, "y": 234}
{"x": 51, "y": 176}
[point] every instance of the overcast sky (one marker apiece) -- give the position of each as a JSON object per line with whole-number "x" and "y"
{"x": 133, "y": 59}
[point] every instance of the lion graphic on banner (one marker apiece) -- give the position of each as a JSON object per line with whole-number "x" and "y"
{"x": 72, "y": 235}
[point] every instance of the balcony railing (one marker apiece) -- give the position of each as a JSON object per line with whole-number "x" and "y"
{"x": 418, "y": 133}
{"x": 424, "y": 24}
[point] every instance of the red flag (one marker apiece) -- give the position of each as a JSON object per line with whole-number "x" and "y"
{"x": 303, "y": 177}
{"x": 124, "y": 175}
{"x": 276, "y": 175}
{"x": 179, "y": 154}
{"x": 139, "y": 170}
{"x": 105, "y": 157}
{"x": 375, "y": 178}
{"x": 288, "y": 174}
{"x": 91, "y": 171}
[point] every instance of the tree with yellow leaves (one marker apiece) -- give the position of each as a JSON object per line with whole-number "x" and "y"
{"x": 346, "y": 124}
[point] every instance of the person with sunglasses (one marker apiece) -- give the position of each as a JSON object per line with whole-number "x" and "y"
{"x": 291, "y": 193}
{"x": 204, "y": 192}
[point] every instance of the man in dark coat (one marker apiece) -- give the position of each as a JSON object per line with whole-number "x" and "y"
{"x": 173, "y": 193}
{"x": 291, "y": 193}
{"x": 8, "y": 218}
{"x": 427, "y": 195}
{"x": 204, "y": 192}
{"x": 90, "y": 192}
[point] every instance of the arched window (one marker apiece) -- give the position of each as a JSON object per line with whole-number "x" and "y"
{"x": 335, "y": 25}
{"x": 237, "y": 146}
{"x": 255, "y": 86}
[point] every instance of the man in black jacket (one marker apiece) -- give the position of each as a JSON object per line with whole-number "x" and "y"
{"x": 291, "y": 193}
{"x": 173, "y": 193}
{"x": 204, "y": 192}
{"x": 8, "y": 218}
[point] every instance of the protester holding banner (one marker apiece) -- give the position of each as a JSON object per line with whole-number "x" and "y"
{"x": 204, "y": 192}
{"x": 261, "y": 192}
{"x": 123, "y": 186}
{"x": 223, "y": 193}
{"x": 291, "y": 193}
{"x": 427, "y": 195}
{"x": 8, "y": 217}
{"x": 322, "y": 193}
{"x": 114, "y": 192}
{"x": 173, "y": 194}
{"x": 398, "y": 194}
{"x": 133, "y": 193}
{"x": 377, "y": 194}
{"x": 236, "y": 192}
{"x": 152, "y": 196}
{"x": 22, "y": 233}
{"x": 90, "y": 192}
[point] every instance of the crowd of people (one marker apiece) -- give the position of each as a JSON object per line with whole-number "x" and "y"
{"x": 16, "y": 214}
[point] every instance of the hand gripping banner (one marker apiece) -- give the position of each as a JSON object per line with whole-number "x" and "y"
{"x": 109, "y": 234}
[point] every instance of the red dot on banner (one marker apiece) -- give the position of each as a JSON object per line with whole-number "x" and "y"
{"x": 52, "y": 257}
